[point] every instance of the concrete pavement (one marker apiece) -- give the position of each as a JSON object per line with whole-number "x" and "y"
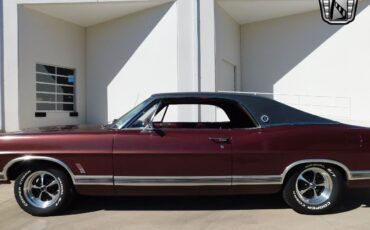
{"x": 187, "y": 213}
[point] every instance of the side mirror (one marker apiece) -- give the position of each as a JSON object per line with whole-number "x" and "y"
{"x": 148, "y": 128}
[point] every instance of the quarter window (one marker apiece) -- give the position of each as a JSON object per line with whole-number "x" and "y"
{"x": 55, "y": 88}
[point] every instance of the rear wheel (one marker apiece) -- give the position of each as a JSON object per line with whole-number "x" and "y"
{"x": 43, "y": 192}
{"x": 313, "y": 189}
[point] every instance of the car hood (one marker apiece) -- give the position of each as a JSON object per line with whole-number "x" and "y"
{"x": 63, "y": 129}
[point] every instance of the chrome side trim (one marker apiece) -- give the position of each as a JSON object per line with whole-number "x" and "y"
{"x": 28, "y": 158}
{"x": 196, "y": 180}
{"x": 257, "y": 180}
{"x": 93, "y": 180}
{"x": 185, "y": 180}
{"x": 309, "y": 161}
{"x": 172, "y": 181}
{"x": 227, "y": 180}
{"x": 177, "y": 181}
{"x": 360, "y": 175}
{"x": 230, "y": 180}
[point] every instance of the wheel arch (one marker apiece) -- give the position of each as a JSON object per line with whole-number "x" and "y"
{"x": 29, "y": 160}
{"x": 342, "y": 167}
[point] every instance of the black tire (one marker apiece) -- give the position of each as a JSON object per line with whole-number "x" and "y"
{"x": 26, "y": 198}
{"x": 305, "y": 203}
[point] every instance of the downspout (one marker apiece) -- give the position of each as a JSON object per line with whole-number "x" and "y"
{"x": 198, "y": 44}
{"x": 199, "y": 77}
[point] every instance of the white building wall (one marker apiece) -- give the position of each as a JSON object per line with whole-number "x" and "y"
{"x": 129, "y": 59}
{"x": 227, "y": 36}
{"x": 302, "y": 55}
{"x": 156, "y": 50}
{"x": 47, "y": 40}
{"x": 227, "y": 54}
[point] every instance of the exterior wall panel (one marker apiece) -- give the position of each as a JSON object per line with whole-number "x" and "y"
{"x": 323, "y": 67}
{"x": 47, "y": 40}
{"x": 129, "y": 59}
{"x": 227, "y": 51}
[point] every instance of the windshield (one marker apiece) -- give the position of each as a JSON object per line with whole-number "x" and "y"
{"x": 122, "y": 121}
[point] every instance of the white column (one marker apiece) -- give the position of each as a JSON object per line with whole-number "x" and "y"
{"x": 10, "y": 65}
{"x": 188, "y": 74}
{"x": 207, "y": 53}
{"x": 1, "y": 67}
{"x": 207, "y": 45}
{"x": 187, "y": 45}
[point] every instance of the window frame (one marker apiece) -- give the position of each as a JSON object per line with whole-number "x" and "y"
{"x": 170, "y": 105}
{"x": 55, "y": 93}
{"x": 159, "y": 102}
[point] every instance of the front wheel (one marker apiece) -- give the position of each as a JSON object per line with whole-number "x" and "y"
{"x": 43, "y": 192}
{"x": 313, "y": 189}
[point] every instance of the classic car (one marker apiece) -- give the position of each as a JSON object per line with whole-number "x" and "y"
{"x": 255, "y": 145}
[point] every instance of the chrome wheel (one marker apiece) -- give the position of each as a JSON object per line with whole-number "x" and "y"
{"x": 314, "y": 186}
{"x": 41, "y": 189}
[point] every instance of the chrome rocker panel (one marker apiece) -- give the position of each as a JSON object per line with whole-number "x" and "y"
{"x": 184, "y": 180}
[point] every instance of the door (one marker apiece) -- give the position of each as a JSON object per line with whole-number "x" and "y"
{"x": 254, "y": 161}
{"x": 173, "y": 157}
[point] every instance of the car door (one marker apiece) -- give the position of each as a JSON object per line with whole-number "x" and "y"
{"x": 254, "y": 161}
{"x": 172, "y": 159}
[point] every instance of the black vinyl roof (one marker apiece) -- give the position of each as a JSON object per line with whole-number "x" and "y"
{"x": 267, "y": 112}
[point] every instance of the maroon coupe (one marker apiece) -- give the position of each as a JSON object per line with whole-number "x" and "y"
{"x": 260, "y": 146}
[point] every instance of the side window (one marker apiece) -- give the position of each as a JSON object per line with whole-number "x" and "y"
{"x": 180, "y": 113}
{"x": 220, "y": 116}
{"x": 184, "y": 116}
{"x": 224, "y": 115}
{"x": 185, "y": 113}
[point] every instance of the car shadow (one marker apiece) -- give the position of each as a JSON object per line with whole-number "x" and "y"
{"x": 352, "y": 199}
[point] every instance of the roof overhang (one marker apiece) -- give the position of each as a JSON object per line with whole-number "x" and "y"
{"x": 92, "y": 13}
{"x": 248, "y": 11}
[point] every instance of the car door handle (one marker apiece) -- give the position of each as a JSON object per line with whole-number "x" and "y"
{"x": 220, "y": 140}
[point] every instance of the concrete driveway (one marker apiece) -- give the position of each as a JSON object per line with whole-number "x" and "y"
{"x": 180, "y": 213}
